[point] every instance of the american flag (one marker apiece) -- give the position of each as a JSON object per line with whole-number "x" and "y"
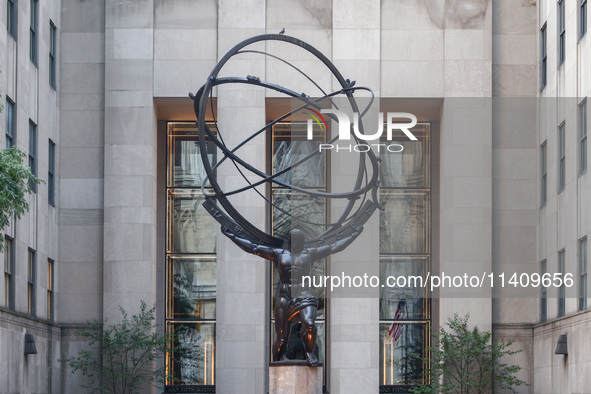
{"x": 396, "y": 328}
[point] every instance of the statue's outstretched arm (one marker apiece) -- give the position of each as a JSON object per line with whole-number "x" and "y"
{"x": 343, "y": 243}
{"x": 250, "y": 247}
{"x": 325, "y": 251}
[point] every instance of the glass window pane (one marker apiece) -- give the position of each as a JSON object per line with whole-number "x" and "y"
{"x": 404, "y": 222}
{"x": 400, "y": 300}
{"x": 290, "y": 145}
{"x": 185, "y": 164}
{"x": 194, "y": 361}
{"x": 191, "y": 227}
{"x": 192, "y": 287}
{"x": 398, "y": 343}
{"x": 7, "y": 255}
{"x": 297, "y": 210}
{"x": 410, "y": 168}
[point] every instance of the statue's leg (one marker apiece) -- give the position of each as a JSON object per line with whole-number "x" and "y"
{"x": 308, "y": 333}
{"x": 281, "y": 329}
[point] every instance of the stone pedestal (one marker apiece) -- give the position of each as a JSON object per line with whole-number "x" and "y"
{"x": 294, "y": 378}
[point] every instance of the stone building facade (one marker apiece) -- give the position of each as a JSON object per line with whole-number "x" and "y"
{"x": 96, "y": 93}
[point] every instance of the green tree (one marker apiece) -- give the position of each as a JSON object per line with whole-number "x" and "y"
{"x": 15, "y": 178}
{"x": 468, "y": 361}
{"x": 120, "y": 357}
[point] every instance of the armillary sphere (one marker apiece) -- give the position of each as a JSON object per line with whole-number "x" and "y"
{"x": 362, "y": 199}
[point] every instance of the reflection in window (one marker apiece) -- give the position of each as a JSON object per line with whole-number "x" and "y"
{"x": 411, "y": 168}
{"x": 50, "y": 298}
{"x": 192, "y": 287}
{"x": 583, "y": 274}
{"x": 561, "y": 158}
{"x": 52, "y": 54}
{"x": 190, "y": 225}
{"x": 561, "y": 32}
{"x": 289, "y": 147}
{"x": 8, "y": 273}
{"x": 10, "y": 123}
{"x": 193, "y": 362}
{"x": 34, "y": 39}
{"x": 404, "y": 222}
{"x": 405, "y": 236}
{"x": 190, "y": 263}
{"x": 297, "y": 210}
{"x": 406, "y": 300}
{"x": 402, "y": 349}
{"x": 185, "y": 167}
{"x": 11, "y": 18}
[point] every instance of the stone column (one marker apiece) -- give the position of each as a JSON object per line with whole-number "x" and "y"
{"x": 466, "y": 157}
{"x": 130, "y": 158}
{"x": 353, "y": 328}
{"x": 79, "y": 181}
{"x": 241, "y": 343}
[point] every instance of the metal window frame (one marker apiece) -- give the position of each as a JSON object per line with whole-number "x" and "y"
{"x": 51, "y": 173}
{"x": 561, "y": 157}
{"x": 543, "y": 293}
{"x": 561, "y": 299}
{"x": 10, "y": 123}
{"x": 427, "y": 189}
{"x": 9, "y": 293}
{"x": 543, "y": 57}
{"x": 31, "y": 282}
{"x": 52, "y": 55}
{"x": 33, "y": 153}
{"x": 582, "y": 273}
{"x": 169, "y": 319}
{"x": 561, "y": 29}
{"x": 582, "y": 137}
{"x": 50, "y": 287}
{"x": 33, "y": 29}
{"x": 12, "y": 18}
{"x": 544, "y": 173}
{"x": 582, "y": 18}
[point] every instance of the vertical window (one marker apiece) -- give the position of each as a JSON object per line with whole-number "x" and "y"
{"x": 11, "y": 18}
{"x": 8, "y": 273}
{"x": 10, "y": 123}
{"x": 51, "y": 174}
{"x": 561, "y": 158}
{"x": 33, "y": 41}
{"x": 543, "y": 293}
{"x": 544, "y": 174}
{"x": 405, "y": 238}
{"x": 582, "y": 18}
{"x": 561, "y": 289}
{"x": 295, "y": 210}
{"x": 50, "y": 289}
{"x": 543, "y": 57}
{"x": 583, "y": 137}
{"x": 583, "y": 274}
{"x": 190, "y": 262}
{"x": 31, "y": 277}
{"x": 33, "y": 152}
{"x": 52, "y": 54}
{"x": 561, "y": 31}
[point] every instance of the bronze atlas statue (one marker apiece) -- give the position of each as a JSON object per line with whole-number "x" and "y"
{"x": 294, "y": 253}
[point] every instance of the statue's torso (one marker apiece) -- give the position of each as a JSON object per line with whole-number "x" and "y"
{"x": 291, "y": 265}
